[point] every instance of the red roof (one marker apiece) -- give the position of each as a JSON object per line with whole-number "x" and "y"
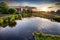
{"x": 18, "y": 8}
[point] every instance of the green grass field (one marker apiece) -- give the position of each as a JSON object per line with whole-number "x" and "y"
{"x": 41, "y": 36}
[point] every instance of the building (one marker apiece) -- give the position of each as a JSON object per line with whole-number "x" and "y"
{"x": 20, "y": 9}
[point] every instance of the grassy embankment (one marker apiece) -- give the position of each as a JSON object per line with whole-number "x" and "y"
{"x": 41, "y": 36}
{"x": 9, "y": 20}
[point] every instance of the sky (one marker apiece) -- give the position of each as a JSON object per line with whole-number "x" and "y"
{"x": 44, "y": 5}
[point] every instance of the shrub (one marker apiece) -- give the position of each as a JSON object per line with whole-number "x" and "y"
{"x": 12, "y": 11}
{"x": 57, "y": 18}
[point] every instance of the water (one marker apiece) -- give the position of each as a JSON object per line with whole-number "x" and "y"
{"x": 25, "y": 27}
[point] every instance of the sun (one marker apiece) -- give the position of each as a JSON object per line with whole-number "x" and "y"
{"x": 44, "y": 9}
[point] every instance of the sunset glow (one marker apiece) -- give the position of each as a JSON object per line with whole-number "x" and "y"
{"x": 44, "y": 9}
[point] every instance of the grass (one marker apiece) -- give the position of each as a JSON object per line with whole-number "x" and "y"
{"x": 9, "y": 20}
{"x": 41, "y": 36}
{"x": 57, "y": 18}
{"x": 52, "y": 17}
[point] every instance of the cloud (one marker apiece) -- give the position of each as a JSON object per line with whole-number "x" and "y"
{"x": 50, "y": 7}
{"x": 57, "y": 3}
{"x": 21, "y": 4}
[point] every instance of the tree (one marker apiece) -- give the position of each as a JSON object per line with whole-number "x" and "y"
{"x": 29, "y": 12}
{"x": 3, "y": 7}
{"x": 52, "y": 12}
{"x": 12, "y": 11}
{"x": 58, "y": 12}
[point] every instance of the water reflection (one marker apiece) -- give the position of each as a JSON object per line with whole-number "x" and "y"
{"x": 24, "y": 28}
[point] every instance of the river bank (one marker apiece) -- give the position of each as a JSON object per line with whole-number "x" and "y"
{"x": 41, "y": 36}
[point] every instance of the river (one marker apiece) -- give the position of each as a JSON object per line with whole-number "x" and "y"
{"x": 25, "y": 27}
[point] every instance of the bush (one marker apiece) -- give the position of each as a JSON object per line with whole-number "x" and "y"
{"x": 12, "y": 24}
{"x": 12, "y": 11}
{"x": 57, "y": 18}
{"x": 1, "y": 21}
{"x": 9, "y": 20}
{"x": 19, "y": 16}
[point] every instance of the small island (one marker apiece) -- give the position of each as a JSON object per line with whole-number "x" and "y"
{"x": 41, "y": 36}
